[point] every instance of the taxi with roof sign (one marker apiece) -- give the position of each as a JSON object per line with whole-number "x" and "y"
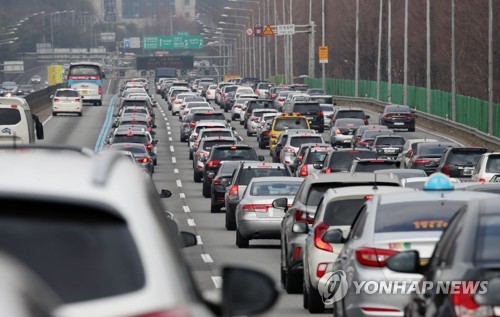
{"x": 285, "y": 122}
{"x": 385, "y": 225}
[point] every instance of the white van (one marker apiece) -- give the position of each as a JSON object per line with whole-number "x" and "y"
{"x": 17, "y": 124}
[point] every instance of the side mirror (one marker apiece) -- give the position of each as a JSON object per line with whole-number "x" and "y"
{"x": 405, "y": 262}
{"x": 233, "y": 128}
{"x": 318, "y": 166}
{"x": 228, "y": 120}
{"x": 115, "y": 124}
{"x": 258, "y": 294}
{"x": 51, "y": 97}
{"x": 367, "y": 116}
{"x": 261, "y": 158}
{"x": 155, "y": 142}
{"x": 300, "y": 227}
{"x": 154, "y": 126}
{"x": 281, "y": 203}
{"x": 239, "y": 138}
{"x": 492, "y": 296}
{"x": 210, "y": 174}
{"x": 39, "y": 130}
{"x": 333, "y": 236}
{"x": 165, "y": 193}
{"x": 188, "y": 239}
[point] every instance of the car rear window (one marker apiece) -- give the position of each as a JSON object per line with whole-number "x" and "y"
{"x": 306, "y": 108}
{"x": 209, "y": 116}
{"x": 238, "y": 154}
{"x": 260, "y": 114}
{"x": 220, "y": 134}
{"x": 431, "y": 149}
{"x": 298, "y": 141}
{"x": 136, "y": 110}
{"x": 66, "y": 93}
{"x": 317, "y": 190}
{"x": 487, "y": 250}
{"x": 492, "y": 166}
{"x": 464, "y": 158}
{"x": 417, "y": 216}
{"x": 400, "y": 109}
{"x": 82, "y": 253}
{"x": 350, "y": 114}
{"x": 264, "y": 86}
{"x": 390, "y": 141}
{"x": 371, "y": 134}
{"x": 9, "y": 116}
{"x": 197, "y": 104}
{"x": 131, "y": 149}
{"x": 201, "y": 127}
{"x": 246, "y": 174}
{"x": 342, "y": 212}
{"x": 324, "y": 100}
{"x": 349, "y": 123}
{"x": 343, "y": 160}
{"x": 230, "y": 89}
{"x": 317, "y": 156}
{"x": 324, "y": 107}
{"x": 134, "y": 122}
{"x": 257, "y": 104}
{"x": 134, "y": 103}
{"x": 290, "y": 123}
{"x": 130, "y": 139}
{"x": 373, "y": 166}
{"x": 275, "y": 189}
{"x": 207, "y": 145}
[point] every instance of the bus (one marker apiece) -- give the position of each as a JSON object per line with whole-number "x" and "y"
{"x": 86, "y": 77}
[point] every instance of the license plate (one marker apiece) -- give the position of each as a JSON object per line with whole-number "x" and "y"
{"x": 399, "y": 123}
{"x": 309, "y": 117}
{"x": 468, "y": 171}
{"x": 347, "y": 141}
{"x": 275, "y": 213}
{"x": 85, "y": 92}
{"x": 390, "y": 150}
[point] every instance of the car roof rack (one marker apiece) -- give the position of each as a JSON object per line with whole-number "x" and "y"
{"x": 104, "y": 165}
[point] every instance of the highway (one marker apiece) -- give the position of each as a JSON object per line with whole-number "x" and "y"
{"x": 174, "y": 172}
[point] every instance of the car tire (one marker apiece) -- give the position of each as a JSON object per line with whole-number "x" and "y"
{"x": 249, "y": 133}
{"x": 230, "y": 221}
{"x": 315, "y": 304}
{"x": 54, "y": 114}
{"x": 155, "y": 162}
{"x": 261, "y": 146}
{"x": 245, "y": 125}
{"x": 214, "y": 208}
{"x": 190, "y": 155}
{"x": 197, "y": 177}
{"x": 305, "y": 296}
{"x": 225, "y": 109}
{"x": 206, "y": 190}
{"x": 282, "y": 277}
{"x": 241, "y": 123}
{"x": 241, "y": 242}
{"x": 293, "y": 283}
{"x": 411, "y": 129}
{"x": 233, "y": 118}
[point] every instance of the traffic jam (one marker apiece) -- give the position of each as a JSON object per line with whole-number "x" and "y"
{"x": 341, "y": 189}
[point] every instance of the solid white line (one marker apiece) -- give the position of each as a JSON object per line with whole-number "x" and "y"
{"x": 174, "y": 160}
{"x": 182, "y": 195}
{"x": 170, "y": 139}
{"x": 179, "y": 183}
{"x": 169, "y": 133}
{"x": 207, "y": 258}
{"x": 198, "y": 240}
{"x": 191, "y": 223}
{"x": 176, "y": 171}
{"x": 172, "y": 149}
{"x": 186, "y": 208}
{"x": 217, "y": 281}
{"x": 440, "y": 135}
{"x": 46, "y": 120}
{"x": 109, "y": 85}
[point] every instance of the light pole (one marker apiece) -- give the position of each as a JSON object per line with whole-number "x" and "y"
{"x": 379, "y": 48}
{"x": 235, "y": 38}
{"x": 389, "y": 52}
{"x": 428, "y": 53}
{"x": 237, "y": 17}
{"x": 323, "y": 72}
{"x": 245, "y": 60}
{"x": 453, "y": 79}
{"x": 356, "y": 65}
{"x": 405, "y": 67}
{"x": 254, "y": 57}
{"x": 490, "y": 67}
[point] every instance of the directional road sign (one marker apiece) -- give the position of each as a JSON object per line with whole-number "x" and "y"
{"x": 172, "y": 42}
{"x": 285, "y": 29}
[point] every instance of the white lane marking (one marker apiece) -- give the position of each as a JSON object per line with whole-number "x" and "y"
{"x": 186, "y": 208}
{"x": 109, "y": 85}
{"x": 170, "y": 139}
{"x": 440, "y": 135}
{"x": 163, "y": 114}
{"x": 182, "y": 195}
{"x": 191, "y": 223}
{"x": 172, "y": 149}
{"x": 167, "y": 124}
{"x": 179, "y": 183}
{"x": 168, "y": 127}
{"x": 46, "y": 120}
{"x": 166, "y": 119}
{"x": 198, "y": 240}
{"x": 217, "y": 281}
{"x": 174, "y": 160}
{"x": 176, "y": 171}
{"x": 169, "y": 132}
{"x": 207, "y": 258}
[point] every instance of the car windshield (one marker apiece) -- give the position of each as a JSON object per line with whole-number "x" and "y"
{"x": 342, "y": 212}
{"x": 275, "y": 188}
{"x": 350, "y": 114}
{"x": 432, "y": 149}
{"x": 298, "y": 141}
{"x": 342, "y": 161}
{"x": 208, "y": 145}
{"x": 493, "y": 164}
{"x": 415, "y": 217}
{"x": 197, "y": 104}
{"x": 246, "y": 175}
{"x": 238, "y": 154}
{"x": 390, "y": 141}
{"x": 130, "y": 139}
{"x": 88, "y": 254}
{"x": 487, "y": 250}
{"x": 66, "y": 93}
{"x": 372, "y": 166}
{"x": 290, "y": 123}
{"x": 133, "y": 121}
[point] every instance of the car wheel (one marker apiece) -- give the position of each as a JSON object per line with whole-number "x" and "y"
{"x": 197, "y": 177}
{"x": 248, "y": 133}
{"x": 225, "y": 109}
{"x": 283, "y": 277}
{"x": 80, "y": 114}
{"x": 305, "y": 295}
{"x": 293, "y": 283}
{"x": 155, "y": 161}
{"x": 411, "y": 129}
{"x": 241, "y": 242}
{"x": 54, "y": 114}
{"x": 214, "y": 208}
{"x": 233, "y": 118}
{"x": 315, "y": 304}
{"x": 190, "y": 155}
{"x": 206, "y": 189}
{"x": 181, "y": 139}
{"x": 241, "y": 122}
{"x": 261, "y": 146}
{"x": 245, "y": 125}
{"x": 230, "y": 221}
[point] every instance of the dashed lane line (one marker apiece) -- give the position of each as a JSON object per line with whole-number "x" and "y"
{"x": 172, "y": 149}
{"x": 186, "y": 208}
{"x": 198, "y": 240}
{"x": 207, "y": 258}
{"x": 179, "y": 183}
{"x": 170, "y": 138}
{"x": 182, "y": 195}
{"x": 217, "y": 281}
{"x": 174, "y": 160}
{"x": 191, "y": 222}
{"x": 176, "y": 171}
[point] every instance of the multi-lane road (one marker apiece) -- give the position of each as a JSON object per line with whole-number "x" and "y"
{"x": 174, "y": 172}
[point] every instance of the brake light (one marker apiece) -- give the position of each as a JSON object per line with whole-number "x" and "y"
{"x": 257, "y": 92}
{"x": 446, "y": 170}
{"x": 149, "y": 146}
{"x": 321, "y": 270}
{"x": 296, "y": 253}
{"x": 373, "y": 257}
{"x": 482, "y": 180}
{"x": 379, "y": 309}
{"x": 319, "y": 113}
{"x": 421, "y": 162}
{"x": 150, "y": 119}
{"x": 255, "y": 119}
{"x": 273, "y": 96}
{"x": 197, "y": 144}
{"x": 281, "y": 99}
{"x": 255, "y": 208}
{"x": 185, "y": 125}
{"x": 99, "y": 90}
{"x": 410, "y": 153}
{"x": 208, "y": 92}
{"x": 328, "y": 171}
{"x": 217, "y": 181}
{"x": 337, "y": 130}
{"x": 193, "y": 124}
{"x": 233, "y": 191}
{"x": 265, "y": 133}
{"x": 177, "y": 312}
{"x": 56, "y": 99}
{"x": 77, "y": 100}
{"x": 318, "y": 241}
{"x": 366, "y": 121}
{"x": 463, "y": 303}
{"x": 303, "y": 171}
{"x": 213, "y": 163}
{"x": 143, "y": 160}
{"x": 176, "y": 101}
{"x": 289, "y": 150}
{"x": 387, "y": 116}
{"x": 222, "y": 95}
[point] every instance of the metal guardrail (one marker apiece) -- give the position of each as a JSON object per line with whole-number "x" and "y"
{"x": 490, "y": 141}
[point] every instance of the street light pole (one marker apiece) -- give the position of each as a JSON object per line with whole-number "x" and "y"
{"x": 453, "y": 83}
{"x": 389, "y": 52}
{"x": 356, "y": 66}
{"x": 291, "y": 43}
{"x": 490, "y": 67}
{"x": 428, "y": 70}
{"x": 405, "y": 67}
{"x": 323, "y": 66}
{"x": 379, "y": 49}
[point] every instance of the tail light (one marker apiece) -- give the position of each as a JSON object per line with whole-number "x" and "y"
{"x": 257, "y": 92}
{"x": 176, "y": 102}
{"x": 409, "y": 115}
{"x": 208, "y": 92}
{"x": 186, "y": 112}
{"x": 296, "y": 253}
{"x": 255, "y": 208}
{"x": 99, "y": 90}
{"x": 321, "y": 270}
{"x": 197, "y": 144}
{"x": 463, "y": 303}
{"x": 387, "y": 116}
{"x": 150, "y": 119}
{"x": 288, "y": 150}
{"x": 319, "y": 113}
{"x": 301, "y": 216}
{"x": 150, "y": 129}
{"x": 143, "y": 160}
{"x": 374, "y": 257}
{"x": 255, "y": 119}
{"x": 273, "y": 96}
{"x": 421, "y": 162}
{"x": 446, "y": 170}
{"x": 410, "y": 153}
{"x": 364, "y": 143}
{"x": 482, "y": 180}
{"x": 303, "y": 171}
{"x": 77, "y": 100}
{"x": 185, "y": 125}
{"x": 178, "y": 312}
{"x": 233, "y": 191}
{"x": 318, "y": 241}
{"x": 149, "y": 146}
{"x": 217, "y": 181}
{"x": 328, "y": 171}
{"x": 56, "y": 99}
{"x": 265, "y": 133}
{"x": 281, "y": 99}
{"x": 380, "y": 310}
{"x": 366, "y": 121}
{"x": 217, "y": 90}
{"x": 213, "y": 163}
{"x": 193, "y": 124}
{"x": 337, "y": 130}
{"x": 222, "y": 95}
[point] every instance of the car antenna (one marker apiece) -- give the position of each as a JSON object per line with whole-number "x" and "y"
{"x": 375, "y": 187}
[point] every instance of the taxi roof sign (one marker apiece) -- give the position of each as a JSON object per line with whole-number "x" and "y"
{"x": 438, "y": 181}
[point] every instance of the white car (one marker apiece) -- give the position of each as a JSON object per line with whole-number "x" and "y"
{"x": 487, "y": 166}
{"x": 244, "y": 91}
{"x": 67, "y": 101}
{"x": 210, "y": 94}
{"x": 253, "y": 122}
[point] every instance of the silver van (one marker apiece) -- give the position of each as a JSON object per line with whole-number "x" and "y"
{"x": 17, "y": 123}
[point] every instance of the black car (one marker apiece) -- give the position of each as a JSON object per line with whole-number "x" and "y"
{"x": 467, "y": 252}
{"x": 200, "y": 159}
{"x": 136, "y": 137}
{"x": 228, "y": 101}
{"x": 190, "y": 120}
{"x": 217, "y": 189}
{"x": 219, "y": 153}
{"x": 309, "y": 109}
{"x": 256, "y": 104}
{"x": 426, "y": 155}
{"x": 370, "y": 165}
{"x": 341, "y": 160}
{"x": 460, "y": 162}
{"x": 398, "y": 117}
{"x": 388, "y": 145}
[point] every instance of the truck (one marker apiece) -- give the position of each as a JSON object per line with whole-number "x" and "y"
{"x": 165, "y": 73}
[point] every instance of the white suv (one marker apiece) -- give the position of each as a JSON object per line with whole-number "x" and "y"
{"x": 487, "y": 166}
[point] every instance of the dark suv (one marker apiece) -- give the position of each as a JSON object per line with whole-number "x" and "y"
{"x": 459, "y": 162}
{"x": 240, "y": 180}
{"x": 388, "y": 145}
{"x": 398, "y": 117}
{"x": 136, "y": 137}
{"x": 219, "y": 184}
{"x": 190, "y": 120}
{"x": 221, "y": 153}
{"x": 341, "y": 160}
{"x": 309, "y": 109}
{"x": 256, "y": 104}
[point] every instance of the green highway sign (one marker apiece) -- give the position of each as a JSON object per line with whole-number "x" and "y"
{"x": 172, "y": 42}
{"x": 182, "y": 33}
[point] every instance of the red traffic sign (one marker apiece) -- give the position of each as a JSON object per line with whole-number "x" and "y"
{"x": 258, "y": 30}
{"x": 249, "y": 31}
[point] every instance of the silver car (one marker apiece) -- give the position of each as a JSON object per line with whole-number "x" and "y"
{"x": 386, "y": 225}
{"x": 342, "y": 131}
{"x": 291, "y": 147}
{"x": 253, "y": 122}
{"x": 312, "y": 155}
{"x": 256, "y": 218}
